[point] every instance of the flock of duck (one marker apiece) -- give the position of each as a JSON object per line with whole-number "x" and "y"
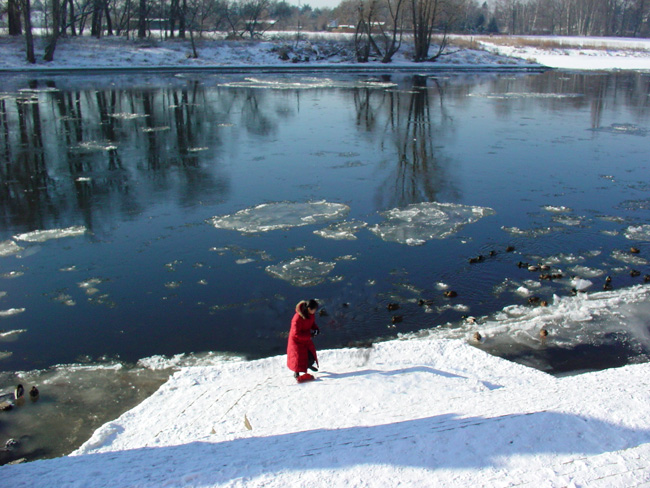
{"x": 19, "y": 398}
{"x": 533, "y": 300}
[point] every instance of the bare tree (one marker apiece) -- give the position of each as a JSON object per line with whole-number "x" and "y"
{"x": 54, "y": 35}
{"x": 29, "y": 38}
{"x": 13, "y": 18}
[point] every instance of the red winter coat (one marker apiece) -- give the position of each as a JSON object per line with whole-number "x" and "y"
{"x": 300, "y": 342}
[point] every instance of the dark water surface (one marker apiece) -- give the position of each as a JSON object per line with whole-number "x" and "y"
{"x": 135, "y": 168}
{"x": 143, "y": 162}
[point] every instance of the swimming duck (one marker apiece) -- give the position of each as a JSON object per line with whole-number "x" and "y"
{"x": 397, "y": 319}
{"x": 477, "y": 259}
{"x": 34, "y": 394}
{"x": 533, "y": 300}
{"x": 634, "y": 273}
{"x": 392, "y": 306}
{"x": 646, "y": 278}
{"x": 510, "y": 248}
{"x": 450, "y": 294}
{"x": 635, "y": 250}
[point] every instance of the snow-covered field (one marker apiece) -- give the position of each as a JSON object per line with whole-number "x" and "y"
{"x": 322, "y": 49}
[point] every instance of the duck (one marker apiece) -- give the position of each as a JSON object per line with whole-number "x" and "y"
{"x": 477, "y": 259}
{"x": 322, "y": 313}
{"x": 392, "y": 306}
{"x": 543, "y": 333}
{"x": 510, "y": 248}
{"x": 634, "y": 273}
{"x": 20, "y": 392}
{"x": 492, "y": 253}
{"x": 521, "y": 264}
{"x": 533, "y": 269}
{"x": 543, "y": 303}
{"x": 450, "y": 294}
{"x": 544, "y": 267}
{"x": 533, "y": 300}
{"x": 608, "y": 283}
{"x": 396, "y": 319}
{"x": 646, "y": 278}
{"x": 34, "y": 394}
{"x": 477, "y": 336}
{"x": 635, "y": 250}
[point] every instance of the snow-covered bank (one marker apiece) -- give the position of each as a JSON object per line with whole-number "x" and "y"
{"x": 326, "y": 50}
{"x": 421, "y": 412}
{"x": 88, "y": 53}
{"x": 575, "y": 53}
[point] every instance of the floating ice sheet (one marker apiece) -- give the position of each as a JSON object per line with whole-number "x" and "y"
{"x": 638, "y": 233}
{"x": 629, "y": 129}
{"x": 46, "y": 235}
{"x": 305, "y": 83}
{"x": 541, "y": 231}
{"x": 342, "y": 230}
{"x": 8, "y": 248}
{"x": 302, "y": 271}
{"x": 629, "y": 258}
{"x": 11, "y": 312}
{"x": 418, "y": 223}
{"x": 280, "y": 215}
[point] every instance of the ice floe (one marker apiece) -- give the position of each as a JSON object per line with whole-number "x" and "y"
{"x": 638, "y": 233}
{"x": 11, "y": 312}
{"x": 556, "y": 209}
{"x": 11, "y": 335}
{"x": 629, "y": 258}
{"x": 280, "y": 215}
{"x": 630, "y": 129}
{"x": 302, "y": 271}
{"x": 541, "y": 231}
{"x": 305, "y": 83}
{"x": 418, "y": 223}
{"x": 9, "y": 248}
{"x": 342, "y": 230}
{"x": 586, "y": 272}
{"x": 45, "y": 235}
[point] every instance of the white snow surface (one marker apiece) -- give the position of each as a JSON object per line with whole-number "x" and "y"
{"x": 324, "y": 49}
{"x": 417, "y": 412}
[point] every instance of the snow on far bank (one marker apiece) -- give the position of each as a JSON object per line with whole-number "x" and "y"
{"x": 321, "y": 50}
{"x": 574, "y": 53}
{"x": 328, "y": 50}
{"x": 426, "y": 412}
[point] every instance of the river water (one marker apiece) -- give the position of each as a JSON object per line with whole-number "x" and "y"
{"x": 150, "y": 216}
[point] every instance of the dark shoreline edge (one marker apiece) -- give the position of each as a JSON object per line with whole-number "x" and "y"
{"x": 347, "y": 68}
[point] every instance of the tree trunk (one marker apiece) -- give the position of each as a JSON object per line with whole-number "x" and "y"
{"x": 56, "y": 23}
{"x": 29, "y": 38}
{"x": 73, "y": 30}
{"x": 142, "y": 19}
{"x": 96, "y": 21}
{"x": 109, "y": 22}
{"x": 13, "y": 14}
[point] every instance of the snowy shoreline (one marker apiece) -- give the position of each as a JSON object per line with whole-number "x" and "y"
{"x": 424, "y": 411}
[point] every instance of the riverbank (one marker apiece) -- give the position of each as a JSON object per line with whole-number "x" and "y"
{"x": 427, "y": 411}
{"x": 318, "y": 51}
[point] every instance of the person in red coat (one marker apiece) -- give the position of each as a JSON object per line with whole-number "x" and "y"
{"x": 301, "y": 352}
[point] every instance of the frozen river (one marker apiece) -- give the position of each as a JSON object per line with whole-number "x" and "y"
{"x": 158, "y": 215}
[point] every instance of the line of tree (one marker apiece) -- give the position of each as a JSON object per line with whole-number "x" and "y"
{"x": 620, "y": 18}
{"x": 379, "y": 26}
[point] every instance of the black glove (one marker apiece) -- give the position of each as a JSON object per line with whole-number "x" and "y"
{"x": 315, "y": 332}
